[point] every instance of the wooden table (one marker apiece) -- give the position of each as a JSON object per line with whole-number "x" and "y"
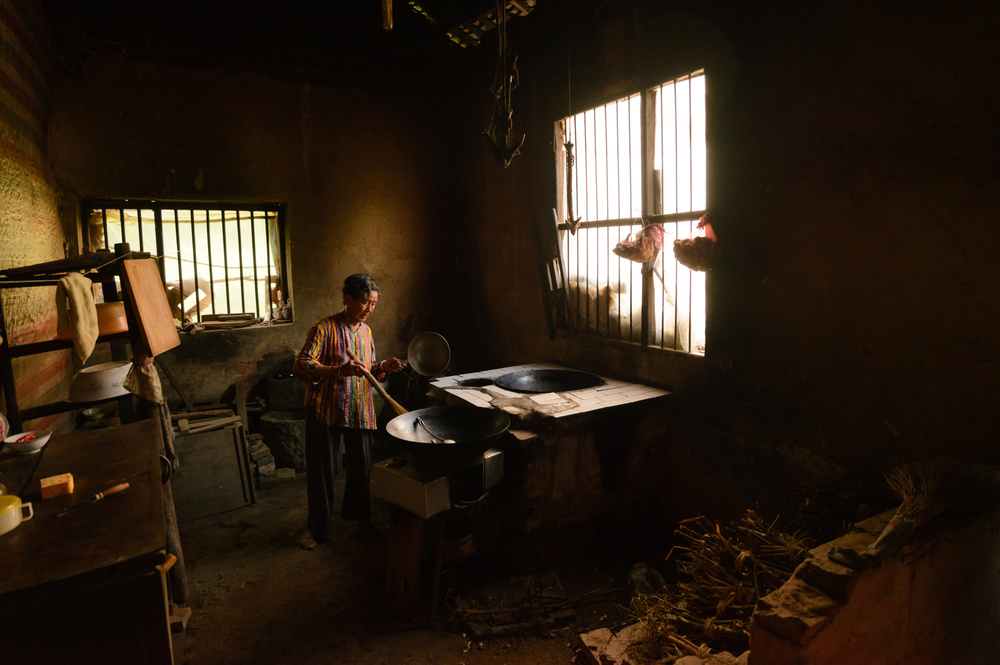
{"x": 90, "y": 586}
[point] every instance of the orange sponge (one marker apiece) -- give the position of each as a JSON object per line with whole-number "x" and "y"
{"x": 57, "y": 485}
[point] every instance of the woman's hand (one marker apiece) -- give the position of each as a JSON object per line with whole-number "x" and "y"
{"x": 352, "y": 368}
{"x": 392, "y": 365}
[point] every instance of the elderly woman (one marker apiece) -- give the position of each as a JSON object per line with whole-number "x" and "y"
{"x": 339, "y": 403}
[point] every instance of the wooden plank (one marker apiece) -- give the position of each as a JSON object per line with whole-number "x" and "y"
{"x": 402, "y": 582}
{"x": 213, "y": 476}
{"x": 141, "y": 277}
{"x": 213, "y": 423}
{"x": 84, "y": 262}
{"x": 195, "y": 415}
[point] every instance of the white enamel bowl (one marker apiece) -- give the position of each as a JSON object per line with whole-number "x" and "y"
{"x": 28, "y": 447}
{"x": 99, "y": 382}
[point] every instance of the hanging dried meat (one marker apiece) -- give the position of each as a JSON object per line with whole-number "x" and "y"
{"x": 500, "y": 133}
{"x": 698, "y": 253}
{"x": 647, "y": 241}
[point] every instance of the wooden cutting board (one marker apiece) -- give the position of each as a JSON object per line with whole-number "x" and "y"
{"x": 141, "y": 278}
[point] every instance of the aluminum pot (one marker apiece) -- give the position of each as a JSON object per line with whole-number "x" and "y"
{"x": 448, "y": 434}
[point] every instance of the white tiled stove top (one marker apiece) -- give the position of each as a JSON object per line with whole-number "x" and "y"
{"x": 558, "y": 405}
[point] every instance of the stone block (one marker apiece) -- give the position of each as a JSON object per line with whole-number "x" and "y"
{"x": 285, "y": 435}
{"x": 267, "y": 481}
{"x": 263, "y": 460}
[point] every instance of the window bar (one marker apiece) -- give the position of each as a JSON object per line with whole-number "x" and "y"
{"x": 239, "y": 242}
{"x": 194, "y": 263}
{"x": 631, "y": 205}
{"x": 576, "y": 207}
{"x": 208, "y": 241}
{"x": 660, "y": 93}
{"x": 225, "y": 261}
{"x": 647, "y": 159}
{"x": 631, "y": 176}
{"x": 581, "y": 245}
{"x": 659, "y": 183}
{"x": 689, "y": 346}
{"x": 104, "y": 221}
{"x": 267, "y": 245}
{"x": 121, "y": 222}
{"x": 282, "y": 276}
{"x": 617, "y": 213}
{"x": 180, "y": 263}
{"x": 253, "y": 248}
{"x": 605, "y": 230}
{"x": 138, "y": 224}
{"x": 677, "y": 185}
{"x": 158, "y": 231}
{"x": 586, "y": 205}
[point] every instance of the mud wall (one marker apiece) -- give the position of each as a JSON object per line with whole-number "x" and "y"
{"x": 852, "y": 182}
{"x": 933, "y": 601}
{"x": 366, "y": 175}
{"x": 31, "y": 230}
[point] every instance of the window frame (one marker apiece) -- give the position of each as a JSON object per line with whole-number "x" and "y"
{"x": 271, "y": 310}
{"x": 648, "y": 188}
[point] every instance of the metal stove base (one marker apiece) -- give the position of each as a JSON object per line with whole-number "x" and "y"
{"x": 426, "y": 493}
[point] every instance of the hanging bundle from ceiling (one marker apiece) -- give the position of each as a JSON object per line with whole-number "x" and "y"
{"x": 500, "y": 132}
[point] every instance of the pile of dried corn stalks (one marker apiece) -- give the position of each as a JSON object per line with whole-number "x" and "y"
{"x": 721, "y": 572}
{"x": 539, "y": 605}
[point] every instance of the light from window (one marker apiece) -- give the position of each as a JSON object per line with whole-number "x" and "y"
{"x": 218, "y": 261}
{"x": 607, "y": 196}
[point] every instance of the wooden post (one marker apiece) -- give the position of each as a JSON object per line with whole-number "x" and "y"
{"x": 402, "y": 580}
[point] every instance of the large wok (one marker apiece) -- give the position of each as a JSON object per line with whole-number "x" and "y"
{"x": 469, "y": 431}
{"x": 548, "y": 380}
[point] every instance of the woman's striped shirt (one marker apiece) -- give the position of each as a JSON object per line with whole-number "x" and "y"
{"x": 346, "y": 401}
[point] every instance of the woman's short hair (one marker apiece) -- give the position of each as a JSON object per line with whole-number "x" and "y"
{"x": 359, "y": 285}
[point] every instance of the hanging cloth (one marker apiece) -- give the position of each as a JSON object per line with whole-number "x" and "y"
{"x": 78, "y": 290}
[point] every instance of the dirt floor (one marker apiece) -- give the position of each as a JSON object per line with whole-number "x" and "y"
{"x": 257, "y": 597}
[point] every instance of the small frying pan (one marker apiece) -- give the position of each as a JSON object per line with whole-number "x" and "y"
{"x": 428, "y": 354}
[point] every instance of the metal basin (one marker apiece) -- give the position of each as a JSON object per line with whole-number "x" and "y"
{"x": 471, "y": 430}
{"x": 548, "y": 380}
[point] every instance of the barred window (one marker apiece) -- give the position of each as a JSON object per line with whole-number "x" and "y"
{"x": 220, "y": 262}
{"x": 640, "y": 160}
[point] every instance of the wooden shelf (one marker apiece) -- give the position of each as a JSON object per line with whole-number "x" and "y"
{"x": 62, "y": 407}
{"x": 58, "y": 344}
{"x": 104, "y": 269}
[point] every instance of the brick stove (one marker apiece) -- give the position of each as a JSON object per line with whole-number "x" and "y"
{"x": 580, "y": 466}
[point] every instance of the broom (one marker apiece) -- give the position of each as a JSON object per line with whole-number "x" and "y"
{"x": 926, "y": 491}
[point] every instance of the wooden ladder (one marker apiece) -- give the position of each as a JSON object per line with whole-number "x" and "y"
{"x": 555, "y": 292}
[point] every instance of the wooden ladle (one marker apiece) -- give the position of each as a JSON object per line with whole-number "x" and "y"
{"x": 378, "y": 386}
